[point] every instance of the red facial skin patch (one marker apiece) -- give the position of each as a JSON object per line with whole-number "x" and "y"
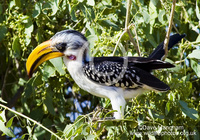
{"x": 72, "y": 57}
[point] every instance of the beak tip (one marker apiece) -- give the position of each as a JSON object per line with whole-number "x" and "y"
{"x": 29, "y": 74}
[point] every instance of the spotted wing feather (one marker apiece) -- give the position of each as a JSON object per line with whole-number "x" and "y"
{"x": 112, "y": 71}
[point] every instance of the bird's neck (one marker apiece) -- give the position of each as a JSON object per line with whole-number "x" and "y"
{"x": 85, "y": 56}
{"x": 81, "y": 58}
{"x": 75, "y": 68}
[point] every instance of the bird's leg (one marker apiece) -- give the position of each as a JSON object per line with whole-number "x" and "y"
{"x": 118, "y": 103}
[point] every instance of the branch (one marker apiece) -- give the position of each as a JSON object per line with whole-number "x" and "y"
{"x": 118, "y": 42}
{"x": 166, "y": 42}
{"x": 127, "y": 30}
{"x": 164, "y": 5}
{"x": 127, "y": 14}
{"x": 4, "y": 81}
{"x": 136, "y": 45}
{"x": 35, "y": 122}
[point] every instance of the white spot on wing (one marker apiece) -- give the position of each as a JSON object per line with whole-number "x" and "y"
{"x": 137, "y": 78}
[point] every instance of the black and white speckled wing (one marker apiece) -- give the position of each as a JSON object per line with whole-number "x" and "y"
{"x": 125, "y": 72}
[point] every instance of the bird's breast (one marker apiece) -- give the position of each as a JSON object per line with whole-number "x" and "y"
{"x": 76, "y": 72}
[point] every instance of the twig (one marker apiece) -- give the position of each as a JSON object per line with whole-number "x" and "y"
{"x": 127, "y": 30}
{"x": 4, "y": 81}
{"x": 133, "y": 41}
{"x": 136, "y": 38}
{"x": 166, "y": 42}
{"x": 118, "y": 42}
{"x": 127, "y": 14}
{"x": 164, "y": 5}
{"x": 15, "y": 112}
{"x": 178, "y": 62}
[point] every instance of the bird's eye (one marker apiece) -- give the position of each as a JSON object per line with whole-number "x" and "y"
{"x": 61, "y": 46}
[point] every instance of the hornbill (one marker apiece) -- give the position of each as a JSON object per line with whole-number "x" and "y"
{"x": 116, "y": 78}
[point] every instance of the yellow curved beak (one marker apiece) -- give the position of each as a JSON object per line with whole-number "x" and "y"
{"x": 40, "y": 54}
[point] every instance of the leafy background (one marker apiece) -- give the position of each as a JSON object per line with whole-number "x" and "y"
{"x": 52, "y": 99}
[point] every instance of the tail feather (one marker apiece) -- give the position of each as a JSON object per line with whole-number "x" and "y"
{"x": 159, "y": 52}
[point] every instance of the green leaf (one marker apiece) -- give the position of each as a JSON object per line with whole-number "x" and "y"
{"x": 49, "y": 101}
{"x": 54, "y": 7}
{"x": 46, "y": 7}
{"x": 108, "y": 24}
{"x": 5, "y": 130}
{"x": 146, "y": 16}
{"x": 79, "y": 137}
{"x": 37, "y": 80}
{"x": 197, "y": 10}
{"x": 9, "y": 123}
{"x": 1, "y": 9}
{"x": 195, "y": 66}
{"x": 151, "y": 137}
{"x": 197, "y": 136}
{"x": 91, "y": 2}
{"x": 3, "y": 31}
{"x": 28, "y": 30}
{"x": 195, "y": 54}
{"x": 161, "y": 16}
{"x": 152, "y": 12}
{"x": 23, "y": 137}
{"x": 92, "y": 31}
{"x": 48, "y": 71}
{"x": 47, "y": 122}
{"x": 18, "y": 3}
{"x": 198, "y": 38}
{"x": 29, "y": 89}
{"x": 110, "y": 112}
{"x": 16, "y": 47}
{"x": 85, "y": 129}
{"x": 151, "y": 40}
{"x": 150, "y": 113}
{"x": 75, "y": 87}
{"x": 37, "y": 113}
{"x": 22, "y": 82}
{"x": 68, "y": 130}
{"x": 156, "y": 115}
{"x": 90, "y": 137}
{"x": 190, "y": 112}
{"x": 73, "y": 12}
{"x": 53, "y": 137}
{"x": 12, "y": 3}
{"x": 87, "y": 11}
{"x": 154, "y": 2}
{"x": 92, "y": 39}
{"x": 58, "y": 64}
{"x": 1, "y": 100}
{"x": 167, "y": 108}
{"x": 37, "y": 10}
{"x": 79, "y": 121}
{"x": 3, "y": 116}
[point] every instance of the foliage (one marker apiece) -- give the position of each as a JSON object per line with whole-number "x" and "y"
{"x": 52, "y": 98}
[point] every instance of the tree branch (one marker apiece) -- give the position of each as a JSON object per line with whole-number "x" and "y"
{"x": 128, "y": 8}
{"x": 4, "y": 82}
{"x": 28, "y": 118}
{"x": 127, "y": 30}
{"x": 166, "y": 42}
